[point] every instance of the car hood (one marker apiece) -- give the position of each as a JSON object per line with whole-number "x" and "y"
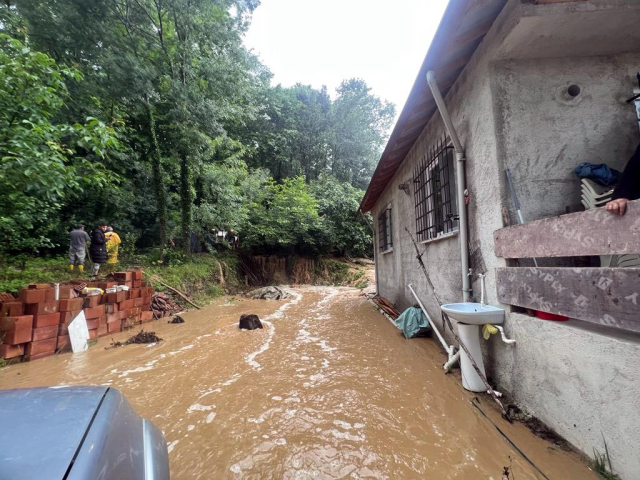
{"x": 42, "y": 428}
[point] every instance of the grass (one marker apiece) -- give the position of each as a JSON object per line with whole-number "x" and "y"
{"x": 602, "y": 464}
{"x": 17, "y": 275}
{"x": 362, "y": 284}
{"x": 198, "y": 276}
{"x": 201, "y": 276}
{"x": 337, "y": 272}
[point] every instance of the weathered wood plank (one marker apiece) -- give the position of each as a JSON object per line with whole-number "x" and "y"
{"x": 606, "y": 296}
{"x": 593, "y": 232}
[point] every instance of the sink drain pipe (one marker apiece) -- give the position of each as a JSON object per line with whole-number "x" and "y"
{"x": 452, "y": 355}
{"x": 460, "y": 184}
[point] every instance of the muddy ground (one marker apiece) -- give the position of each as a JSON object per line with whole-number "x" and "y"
{"x": 328, "y": 389}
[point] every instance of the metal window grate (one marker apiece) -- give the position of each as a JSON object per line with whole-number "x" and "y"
{"x": 434, "y": 189}
{"x": 384, "y": 230}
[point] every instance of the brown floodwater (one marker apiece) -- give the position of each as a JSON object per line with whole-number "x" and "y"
{"x": 328, "y": 389}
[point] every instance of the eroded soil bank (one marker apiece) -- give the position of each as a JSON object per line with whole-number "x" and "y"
{"x": 328, "y": 389}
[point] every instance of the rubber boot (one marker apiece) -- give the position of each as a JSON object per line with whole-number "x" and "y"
{"x": 71, "y": 268}
{"x": 81, "y": 268}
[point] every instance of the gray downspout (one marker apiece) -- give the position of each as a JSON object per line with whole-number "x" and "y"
{"x": 460, "y": 184}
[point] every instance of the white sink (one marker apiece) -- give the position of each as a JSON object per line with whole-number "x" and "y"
{"x": 474, "y": 313}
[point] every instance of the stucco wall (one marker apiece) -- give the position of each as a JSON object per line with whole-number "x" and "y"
{"x": 581, "y": 381}
{"x": 544, "y": 133}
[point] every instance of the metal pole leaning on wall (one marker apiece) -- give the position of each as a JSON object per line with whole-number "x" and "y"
{"x": 460, "y": 184}
{"x": 451, "y": 353}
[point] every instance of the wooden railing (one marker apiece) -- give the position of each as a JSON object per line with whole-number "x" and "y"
{"x": 607, "y": 296}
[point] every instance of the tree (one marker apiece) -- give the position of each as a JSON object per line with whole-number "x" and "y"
{"x": 43, "y": 163}
{"x": 345, "y": 231}
{"x": 284, "y": 218}
{"x": 204, "y": 141}
{"x": 360, "y": 122}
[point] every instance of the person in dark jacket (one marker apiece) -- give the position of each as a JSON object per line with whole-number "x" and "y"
{"x": 628, "y": 187}
{"x": 98, "y": 248}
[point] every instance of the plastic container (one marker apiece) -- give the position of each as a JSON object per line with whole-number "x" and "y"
{"x": 551, "y": 316}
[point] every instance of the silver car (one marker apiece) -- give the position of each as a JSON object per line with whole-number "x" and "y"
{"x": 77, "y": 433}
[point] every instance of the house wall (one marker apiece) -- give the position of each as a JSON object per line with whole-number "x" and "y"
{"x": 544, "y": 134}
{"x": 582, "y": 381}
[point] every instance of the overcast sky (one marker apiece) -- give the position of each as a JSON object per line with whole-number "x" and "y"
{"x": 322, "y": 42}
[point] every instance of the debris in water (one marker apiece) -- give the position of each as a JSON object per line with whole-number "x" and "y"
{"x": 176, "y": 319}
{"x": 270, "y": 293}
{"x": 386, "y": 306}
{"x": 140, "y": 337}
{"x": 162, "y": 305}
{"x": 249, "y": 322}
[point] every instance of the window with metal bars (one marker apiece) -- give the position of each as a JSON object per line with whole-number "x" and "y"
{"x": 384, "y": 230}
{"x": 436, "y": 212}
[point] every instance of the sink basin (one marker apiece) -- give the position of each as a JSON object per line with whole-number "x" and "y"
{"x": 474, "y": 313}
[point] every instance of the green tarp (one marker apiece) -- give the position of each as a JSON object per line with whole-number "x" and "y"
{"x": 413, "y": 322}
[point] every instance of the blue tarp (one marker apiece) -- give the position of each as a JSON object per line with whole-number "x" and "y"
{"x": 412, "y": 322}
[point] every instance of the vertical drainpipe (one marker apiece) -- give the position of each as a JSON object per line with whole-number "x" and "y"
{"x": 460, "y": 184}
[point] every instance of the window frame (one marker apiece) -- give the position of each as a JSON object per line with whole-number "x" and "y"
{"x": 435, "y": 202}
{"x": 385, "y": 232}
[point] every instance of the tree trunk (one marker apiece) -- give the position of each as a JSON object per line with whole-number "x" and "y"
{"x": 158, "y": 181}
{"x": 185, "y": 204}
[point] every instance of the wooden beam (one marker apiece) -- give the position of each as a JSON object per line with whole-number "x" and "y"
{"x": 592, "y": 232}
{"x": 470, "y": 36}
{"x": 606, "y": 296}
{"x": 422, "y": 118}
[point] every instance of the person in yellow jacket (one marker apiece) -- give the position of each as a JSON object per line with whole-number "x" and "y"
{"x": 113, "y": 242}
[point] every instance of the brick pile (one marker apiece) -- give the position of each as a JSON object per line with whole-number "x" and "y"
{"x": 35, "y": 325}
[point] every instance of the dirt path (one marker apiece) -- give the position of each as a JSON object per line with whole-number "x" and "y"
{"x": 328, "y": 389}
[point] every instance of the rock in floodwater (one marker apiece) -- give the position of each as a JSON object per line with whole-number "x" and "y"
{"x": 270, "y": 293}
{"x": 249, "y": 322}
{"x": 176, "y": 319}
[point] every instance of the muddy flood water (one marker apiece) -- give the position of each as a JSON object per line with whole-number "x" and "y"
{"x": 328, "y": 389}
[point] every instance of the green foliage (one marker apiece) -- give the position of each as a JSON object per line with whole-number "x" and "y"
{"x": 284, "y": 217}
{"x": 153, "y": 115}
{"x": 199, "y": 276}
{"x": 43, "y": 163}
{"x": 346, "y": 232}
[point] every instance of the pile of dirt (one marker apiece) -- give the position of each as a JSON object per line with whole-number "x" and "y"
{"x": 270, "y": 293}
{"x": 140, "y": 337}
{"x": 162, "y": 305}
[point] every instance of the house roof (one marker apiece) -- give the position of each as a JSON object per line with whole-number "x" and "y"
{"x": 461, "y": 30}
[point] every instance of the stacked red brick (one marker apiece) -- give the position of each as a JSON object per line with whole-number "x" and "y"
{"x": 128, "y": 308}
{"x": 29, "y": 325}
{"x": 15, "y": 327}
{"x": 36, "y": 325}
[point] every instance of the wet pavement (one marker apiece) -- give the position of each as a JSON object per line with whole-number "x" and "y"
{"x": 328, "y": 389}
